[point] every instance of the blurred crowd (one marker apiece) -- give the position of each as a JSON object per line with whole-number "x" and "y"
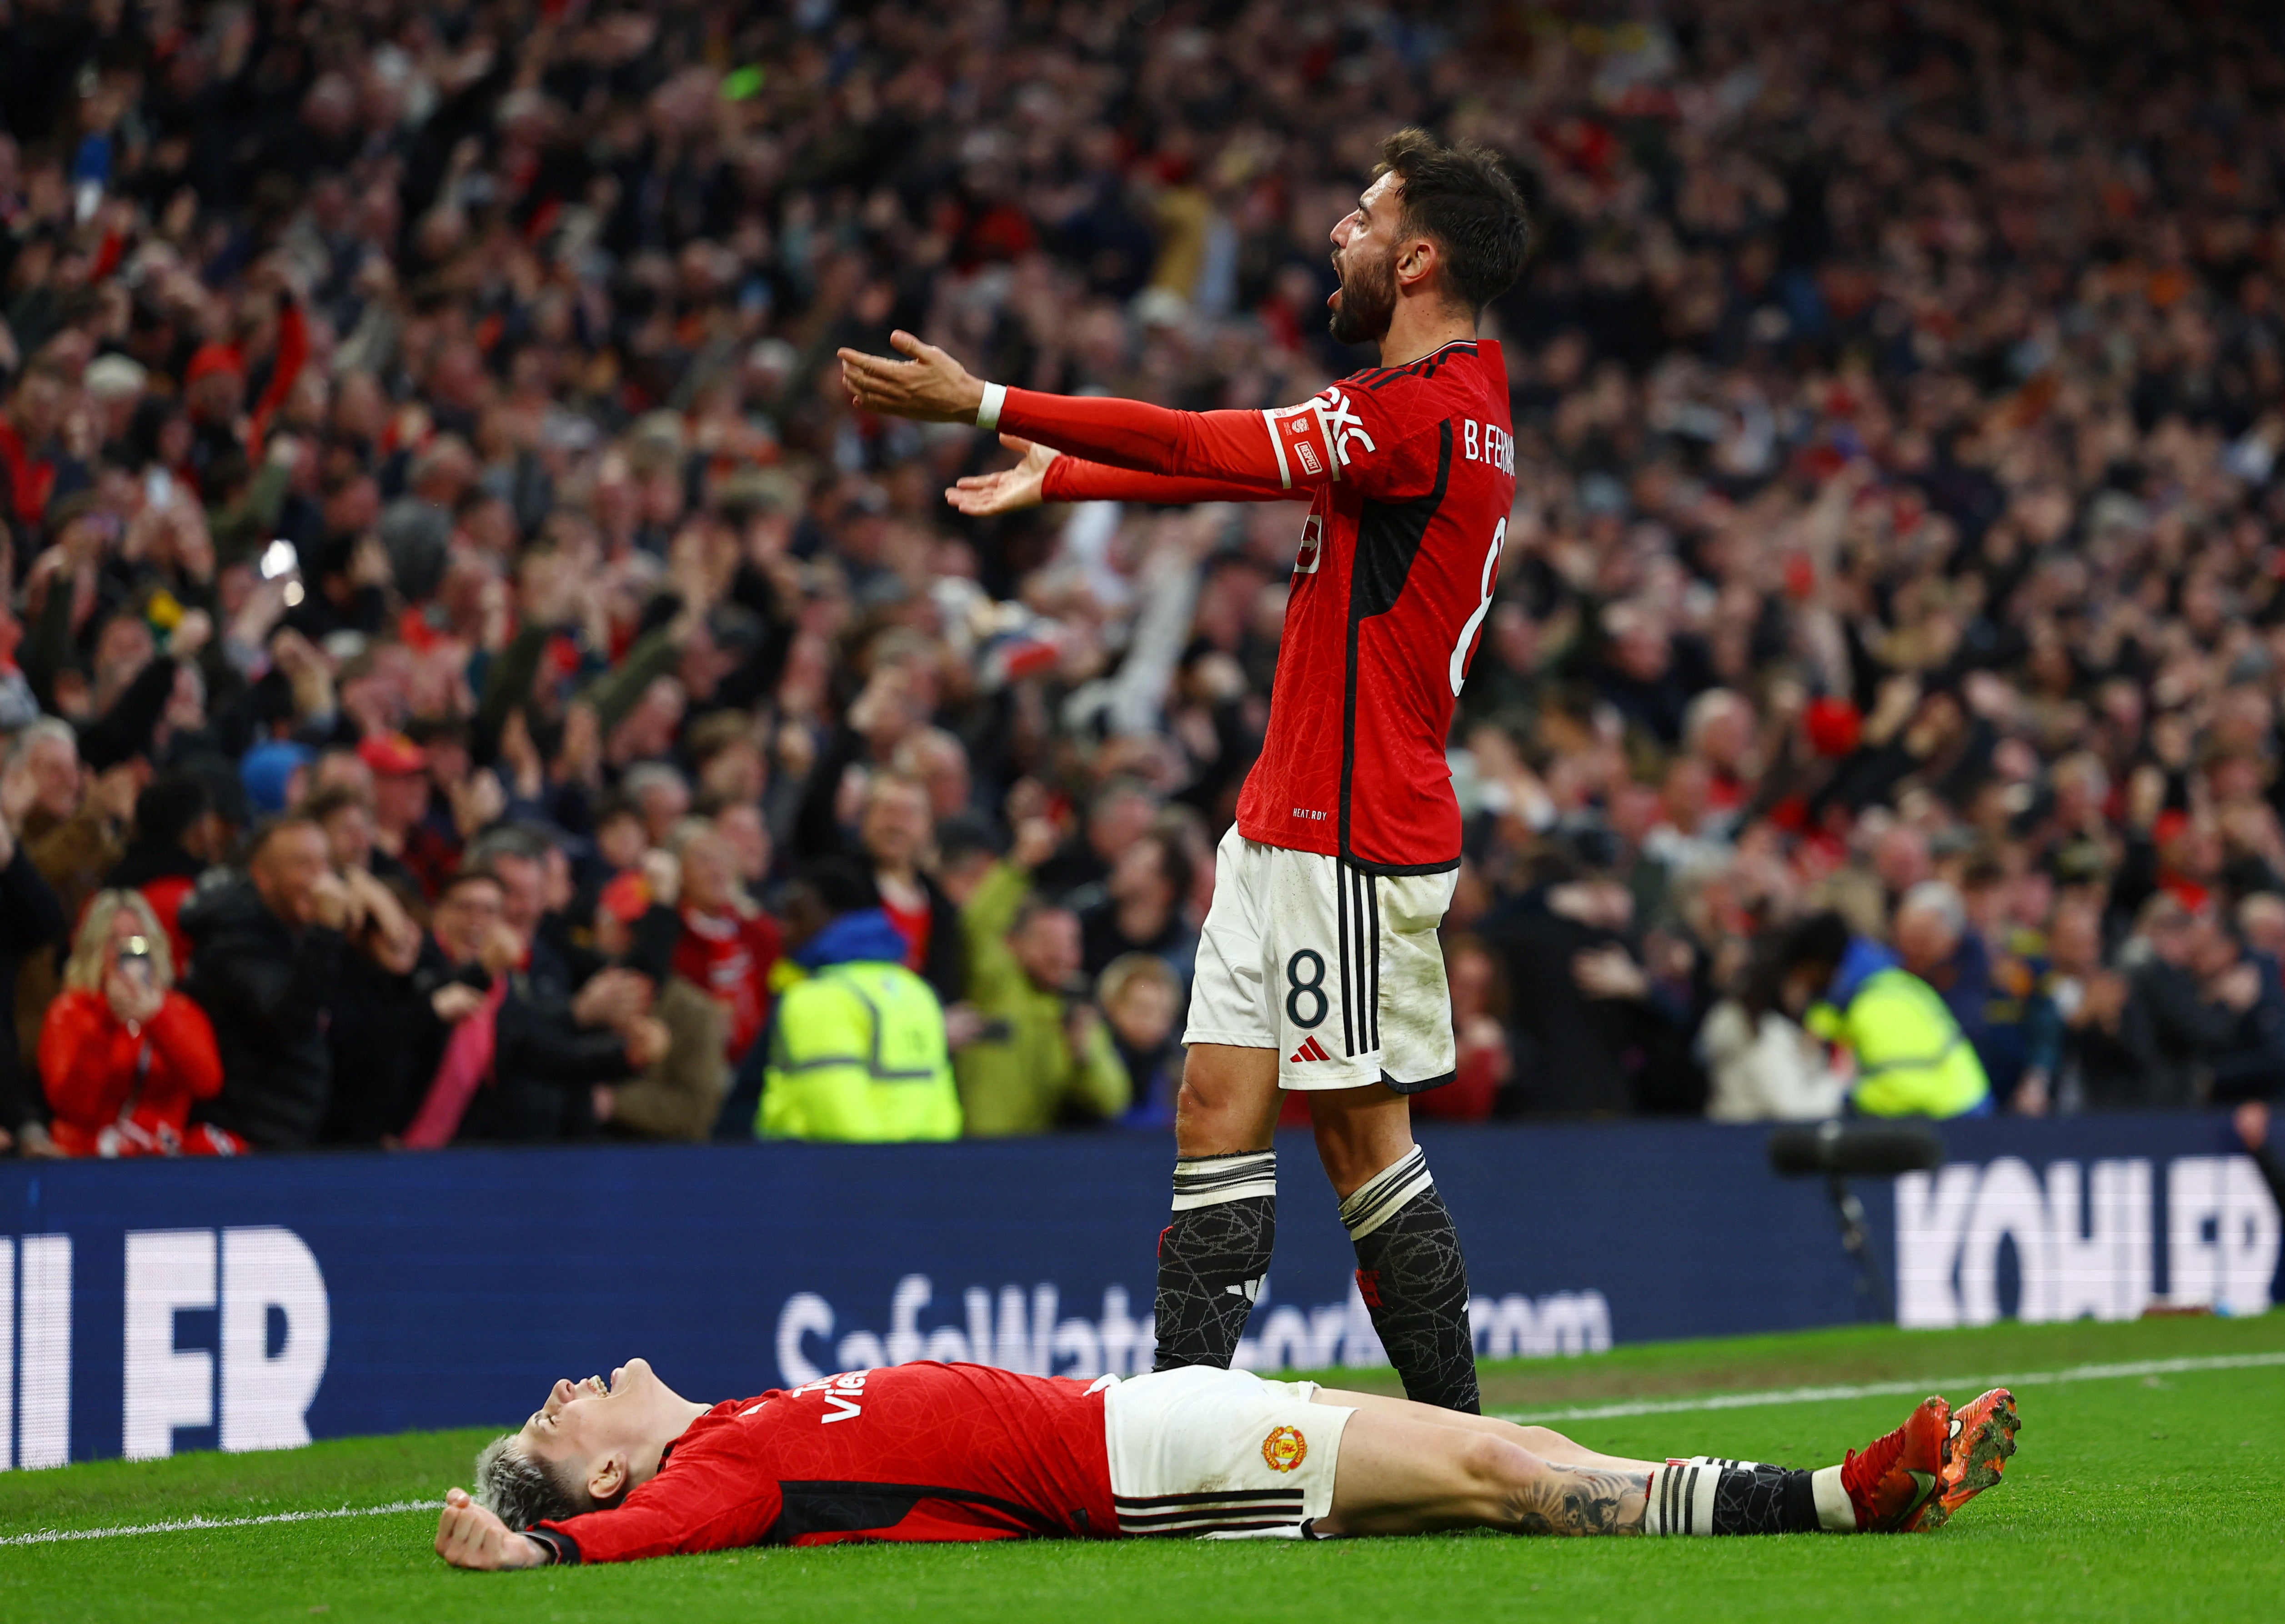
{"x": 468, "y": 674}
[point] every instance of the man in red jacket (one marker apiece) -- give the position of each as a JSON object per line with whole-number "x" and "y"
{"x": 936, "y": 1452}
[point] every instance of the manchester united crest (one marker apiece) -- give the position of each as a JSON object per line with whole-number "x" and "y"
{"x": 1284, "y": 1448}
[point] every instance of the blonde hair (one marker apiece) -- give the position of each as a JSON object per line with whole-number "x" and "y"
{"x": 1130, "y": 968}
{"x": 90, "y": 954}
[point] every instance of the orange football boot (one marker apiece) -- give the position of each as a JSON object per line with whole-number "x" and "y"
{"x": 1893, "y": 1480}
{"x": 1981, "y": 1438}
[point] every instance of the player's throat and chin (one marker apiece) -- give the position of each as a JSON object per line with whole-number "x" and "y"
{"x": 1419, "y": 325}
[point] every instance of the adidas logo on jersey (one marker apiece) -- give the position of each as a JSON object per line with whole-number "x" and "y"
{"x": 1310, "y": 1050}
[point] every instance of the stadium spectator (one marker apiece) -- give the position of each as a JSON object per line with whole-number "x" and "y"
{"x": 1482, "y": 1063}
{"x": 1762, "y": 1065}
{"x": 73, "y": 831}
{"x": 463, "y": 979}
{"x": 857, "y": 1051}
{"x": 1933, "y": 941}
{"x": 1140, "y": 906}
{"x": 2181, "y": 1008}
{"x": 729, "y": 946}
{"x": 1871, "y": 530}
{"x": 266, "y": 947}
{"x": 565, "y": 1025}
{"x": 1589, "y": 1039}
{"x": 893, "y": 825}
{"x": 401, "y": 796}
{"x": 1140, "y": 998}
{"x": 373, "y": 1020}
{"x": 1043, "y": 1054}
{"x": 679, "y": 1093}
{"x": 31, "y": 921}
{"x": 177, "y": 834}
{"x": 123, "y": 1056}
{"x": 1911, "y": 1057}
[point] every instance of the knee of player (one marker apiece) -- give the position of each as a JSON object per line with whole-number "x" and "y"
{"x": 1544, "y": 1441}
{"x": 1496, "y": 1470}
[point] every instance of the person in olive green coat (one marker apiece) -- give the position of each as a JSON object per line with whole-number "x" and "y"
{"x": 1045, "y": 1055}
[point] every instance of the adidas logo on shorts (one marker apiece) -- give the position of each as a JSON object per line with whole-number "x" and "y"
{"x": 1310, "y": 1050}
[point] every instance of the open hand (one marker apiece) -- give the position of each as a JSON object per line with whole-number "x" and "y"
{"x": 1036, "y": 840}
{"x": 470, "y": 1536}
{"x": 192, "y": 634}
{"x": 1009, "y": 489}
{"x": 930, "y": 387}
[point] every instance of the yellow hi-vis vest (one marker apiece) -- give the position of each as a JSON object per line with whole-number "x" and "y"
{"x": 857, "y": 1052}
{"x": 1913, "y": 1060}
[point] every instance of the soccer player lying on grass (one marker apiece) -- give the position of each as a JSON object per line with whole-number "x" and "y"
{"x": 935, "y": 1452}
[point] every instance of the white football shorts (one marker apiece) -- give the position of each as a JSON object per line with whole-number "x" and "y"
{"x": 1337, "y": 968}
{"x": 1201, "y": 1453}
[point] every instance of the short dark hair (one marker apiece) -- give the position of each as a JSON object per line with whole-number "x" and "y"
{"x": 1034, "y": 905}
{"x": 1175, "y": 865}
{"x": 1463, "y": 196}
{"x": 168, "y": 806}
{"x": 333, "y": 799}
{"x": 1820, "y": 940}
{"x": 269, "y": 828}
{"x": 840, "y": 884}
{"x": 460, "y": 879}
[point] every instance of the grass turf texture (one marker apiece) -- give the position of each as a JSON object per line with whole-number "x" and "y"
{"x": 2133, "y": 1498}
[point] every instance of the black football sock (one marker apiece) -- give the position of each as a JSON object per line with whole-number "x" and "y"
{"x": 1704, "y": 1495}
{"x": 1212, "y": 1257}
{"x": 1415, "y": 1281}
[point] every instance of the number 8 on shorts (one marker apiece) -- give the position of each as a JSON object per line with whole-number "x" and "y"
{"x": 1334, "y": 965}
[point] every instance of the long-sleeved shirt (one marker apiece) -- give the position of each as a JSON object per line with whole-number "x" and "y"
{"x": 98, "y": 1070}
{"x": 913, "y": 1452}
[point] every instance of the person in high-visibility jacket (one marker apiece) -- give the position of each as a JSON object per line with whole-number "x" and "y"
{"x": 1911, "y": 1057}
{"x": 856, "y": 1049}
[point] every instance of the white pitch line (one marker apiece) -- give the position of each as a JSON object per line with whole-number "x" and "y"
{"x": 1878, "y": 1390}
{"x": 50, "y": 1536}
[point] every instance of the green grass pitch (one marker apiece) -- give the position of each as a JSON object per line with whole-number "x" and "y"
{"x": 2134, "y": 1497}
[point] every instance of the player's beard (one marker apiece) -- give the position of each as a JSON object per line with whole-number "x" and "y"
{"x": 1368, "y": 301}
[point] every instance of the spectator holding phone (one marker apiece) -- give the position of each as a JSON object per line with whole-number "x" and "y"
{"x": 123, "y": 1056}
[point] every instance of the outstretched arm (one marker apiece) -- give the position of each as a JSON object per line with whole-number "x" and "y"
{"x": 1246, "y": 448}
{"x": 1047, "y": 476}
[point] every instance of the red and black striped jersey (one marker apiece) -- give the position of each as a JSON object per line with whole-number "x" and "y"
{"x": 1409, "y": 474}
{"x": 915, "y": 1452}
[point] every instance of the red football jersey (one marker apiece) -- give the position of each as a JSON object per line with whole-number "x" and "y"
{"x": 1411, "y": 473}
{"x": 916, "y": 1452}
{"x": 729, "y": 955}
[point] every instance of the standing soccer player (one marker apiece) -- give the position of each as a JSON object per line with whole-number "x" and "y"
{"x": 1319, "y": 968}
